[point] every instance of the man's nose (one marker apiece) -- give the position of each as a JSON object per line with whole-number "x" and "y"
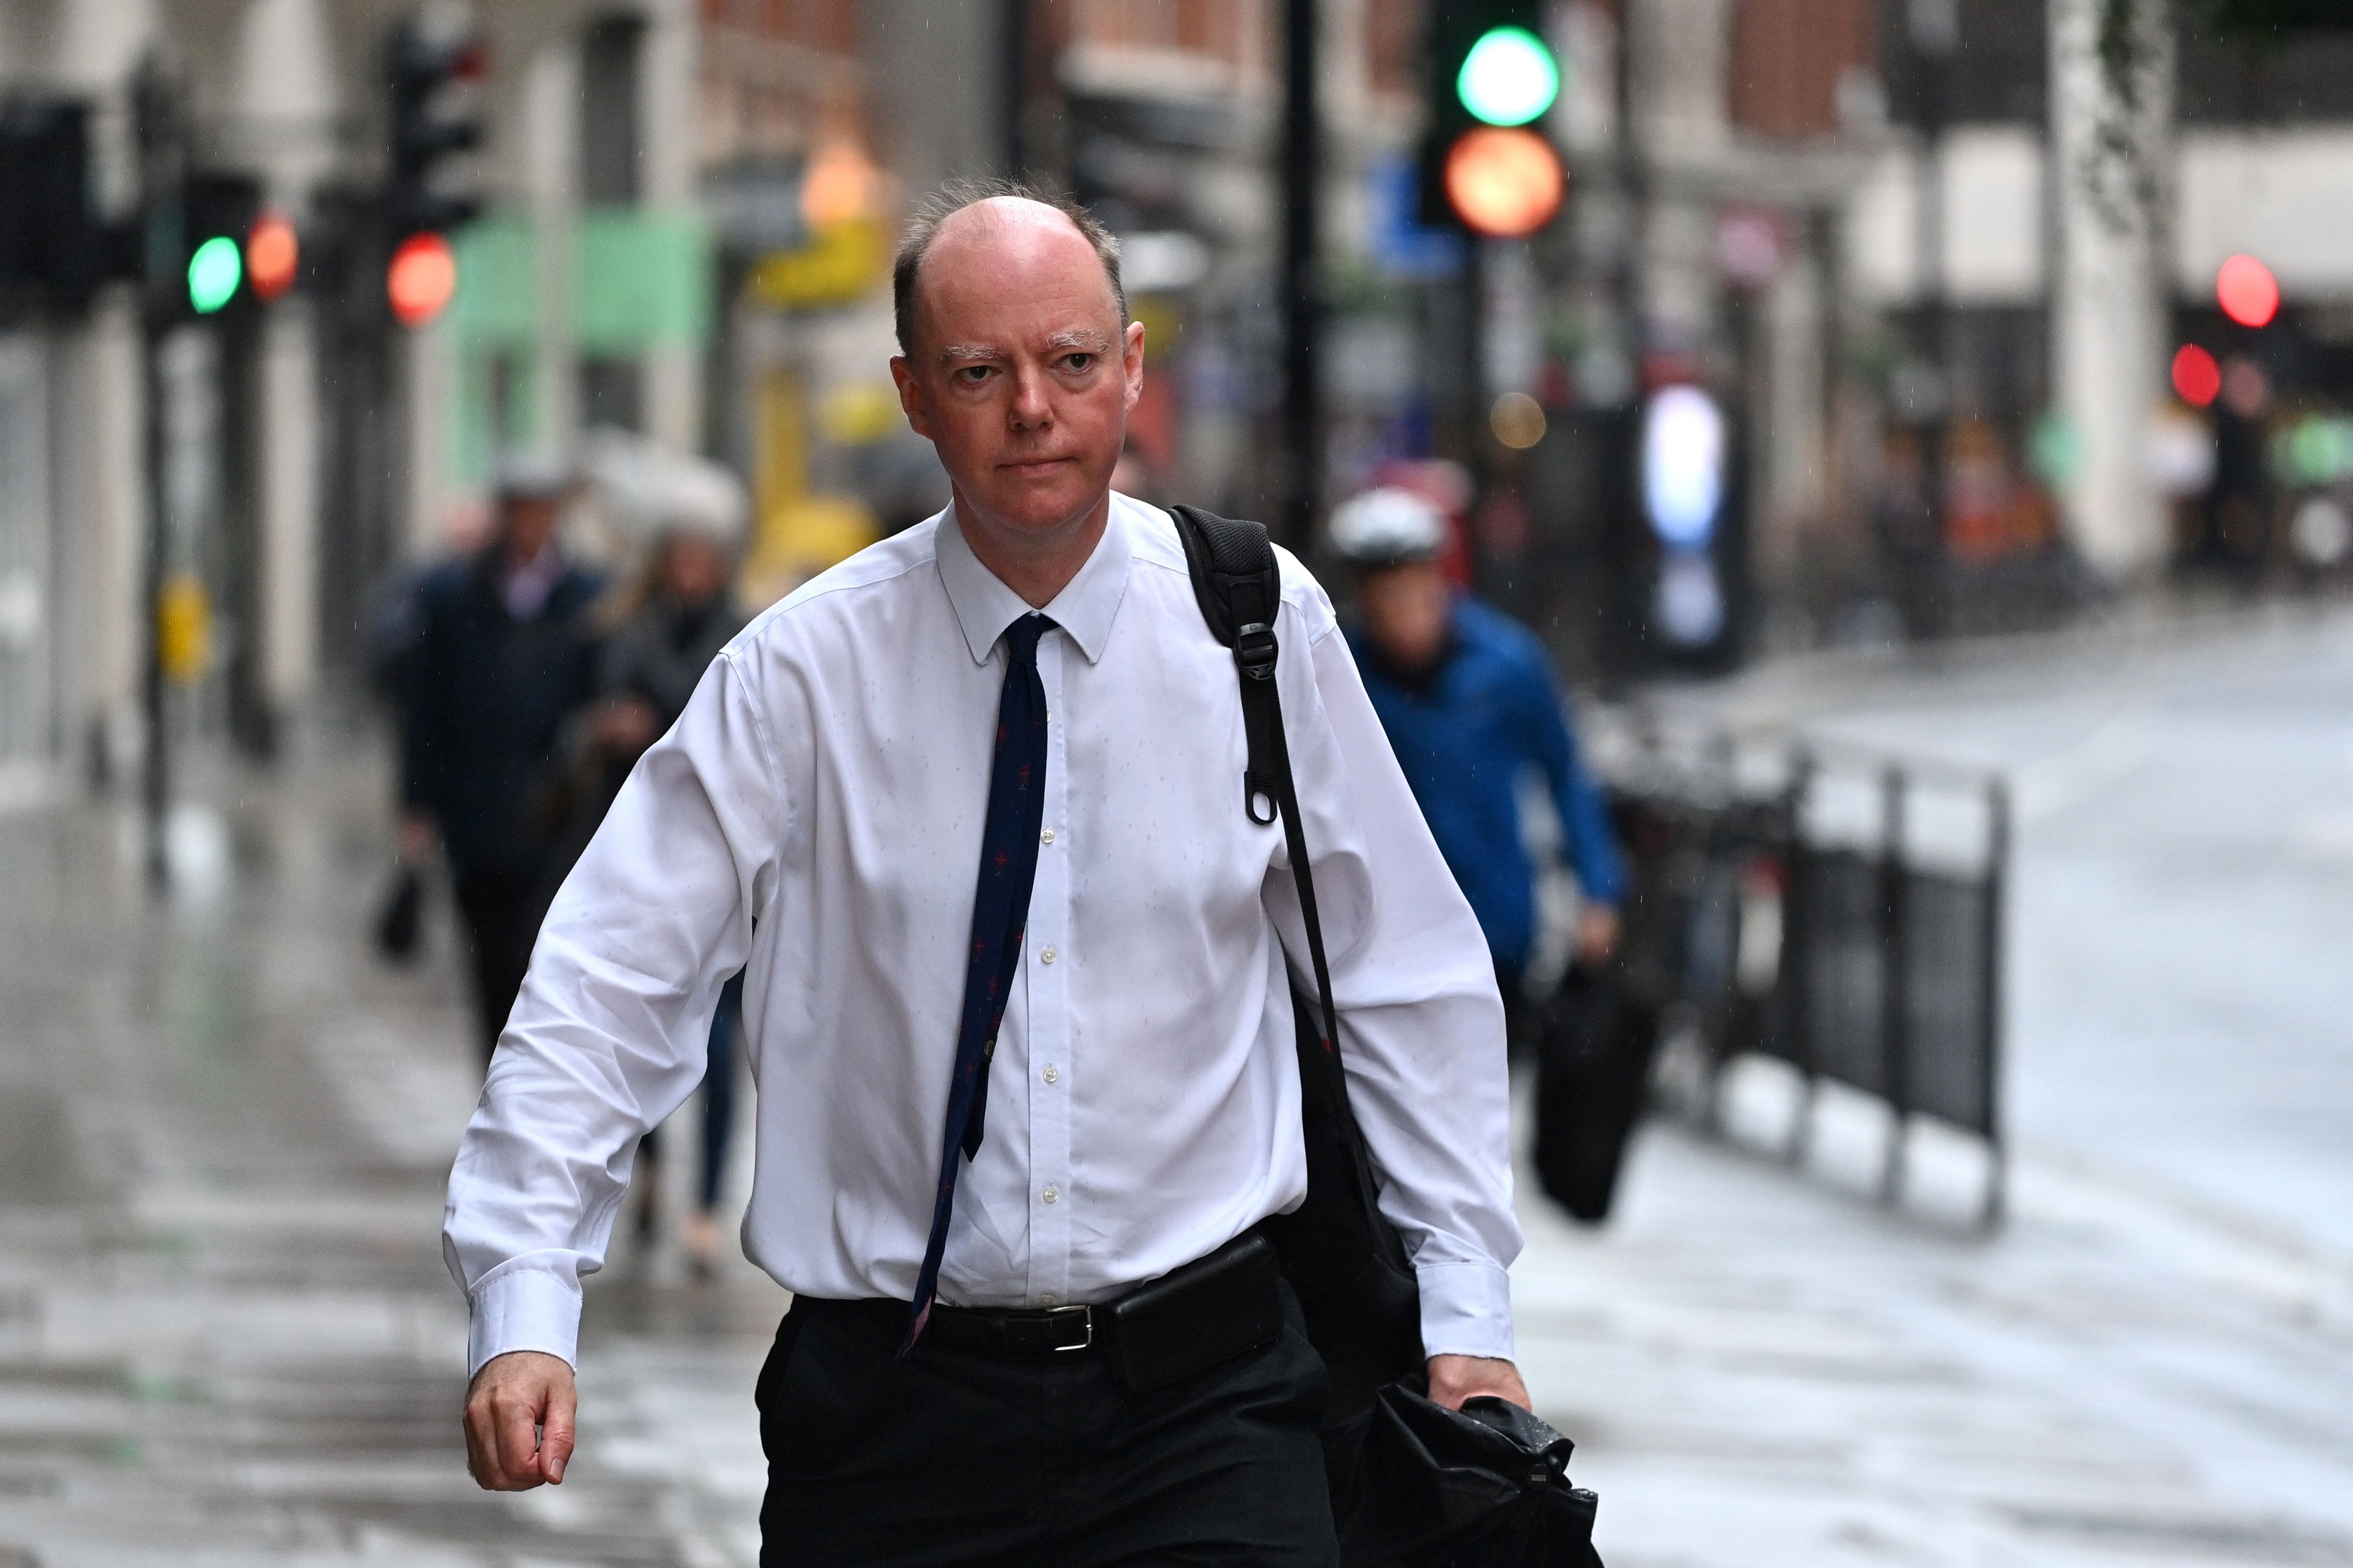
{"x": 1032, "y": 405}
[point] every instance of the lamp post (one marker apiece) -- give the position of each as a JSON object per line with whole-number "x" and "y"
{"x": 1302, "y": 282}
{"x": 1933, "y": 27}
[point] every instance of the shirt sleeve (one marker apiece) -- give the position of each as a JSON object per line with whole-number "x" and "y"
{"x": 1421, "y": 1022}
{"x": 1584, "y": 814}
{"x": 610, "y": 1032}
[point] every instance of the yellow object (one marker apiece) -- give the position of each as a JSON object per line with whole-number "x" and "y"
{"x": 841, "y": 265}
{"x": 1517, "y": 420}
{"x": 184, "y": 628}
{"x": 859, "y": 414}
{"x": 800, "y": 541}
{"x": 1162, "y": 323}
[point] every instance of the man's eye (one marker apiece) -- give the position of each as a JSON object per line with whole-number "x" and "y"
{"x": 973, "y": 374}
{"x": 1077, "y": 361}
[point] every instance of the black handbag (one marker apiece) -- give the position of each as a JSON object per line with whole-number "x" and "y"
{"x": 1593, "y": 1072}
{"x": 1412, "y": 1482}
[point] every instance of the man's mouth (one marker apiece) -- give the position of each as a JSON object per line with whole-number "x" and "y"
{"x": 1029, "y": 468}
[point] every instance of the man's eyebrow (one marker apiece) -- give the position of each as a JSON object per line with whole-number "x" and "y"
{"x": 971, "y": 351}
{"x": 1080, "y": 338}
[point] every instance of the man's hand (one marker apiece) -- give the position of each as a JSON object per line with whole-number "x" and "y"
{"x": 519, "y": 1416}
{"x": 1455, "y": 1378}
{"x": 418, "y": 837}
{"x": 1596, "y": 935}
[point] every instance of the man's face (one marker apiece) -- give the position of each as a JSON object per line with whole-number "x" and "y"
{"x": 1405, "y": 615}
{"x": 525, "y": 525}
{"x": 1020, "y": 371}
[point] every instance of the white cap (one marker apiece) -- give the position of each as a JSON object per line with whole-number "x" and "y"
{"x": 531, "y": 476}
{"x": 1388, "y": 527}
{"x": 650, "y": 491}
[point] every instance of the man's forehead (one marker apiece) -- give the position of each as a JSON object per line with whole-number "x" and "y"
{"x": 965, "y": 271}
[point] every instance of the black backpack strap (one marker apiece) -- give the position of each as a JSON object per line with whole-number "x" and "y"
{"x": 1239, "y": 586}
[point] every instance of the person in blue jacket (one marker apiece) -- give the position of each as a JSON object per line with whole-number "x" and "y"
{"x": 1468, "y": 698}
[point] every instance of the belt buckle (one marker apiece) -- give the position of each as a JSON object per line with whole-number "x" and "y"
{"x": 1086, "y": 1317}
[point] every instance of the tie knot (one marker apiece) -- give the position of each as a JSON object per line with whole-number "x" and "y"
{"x": 1021, "y": 639}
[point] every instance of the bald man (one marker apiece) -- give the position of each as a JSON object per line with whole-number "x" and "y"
{"x": 1016, "y": 998}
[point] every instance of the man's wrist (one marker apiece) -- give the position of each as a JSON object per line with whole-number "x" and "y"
{"x": 1466, "y": 1309}
{"x": 523, "y": 1310}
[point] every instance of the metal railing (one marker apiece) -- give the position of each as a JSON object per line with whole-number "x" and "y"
{"x": 1845, "y": 918}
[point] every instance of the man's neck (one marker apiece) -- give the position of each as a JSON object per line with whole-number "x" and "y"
{"x": 1039, "y": 565}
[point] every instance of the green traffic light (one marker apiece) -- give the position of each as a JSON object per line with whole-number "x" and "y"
{"x": 213, "y": 273}
{"x": 1508, "y": 78}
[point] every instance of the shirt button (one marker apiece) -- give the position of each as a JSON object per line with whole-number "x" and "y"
{"x": 1045, "y": 1301}
{"x": 1052, "y": 1195}
{"x": 1047, "y": 837}
{"x": 1048, "y": 956}
{"x": 1052, "y": 1074}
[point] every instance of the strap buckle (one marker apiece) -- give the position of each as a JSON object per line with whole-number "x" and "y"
{"x": 1254, "y": 650}
{"x": 1086, "y": 1319}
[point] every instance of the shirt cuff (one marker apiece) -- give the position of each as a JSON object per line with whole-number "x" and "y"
{"x": 524, "y": 1309}
{"x": 1466, "y": 1309}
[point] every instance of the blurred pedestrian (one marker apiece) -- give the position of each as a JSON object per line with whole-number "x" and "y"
{"x": 964, "y": 810}
{"x": 661, "y": 631}
{"x": 499, "y": 663}
{"x": 1470, "y": 705}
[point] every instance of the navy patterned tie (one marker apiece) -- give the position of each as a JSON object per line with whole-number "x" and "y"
{"x": 1000, "y": 911}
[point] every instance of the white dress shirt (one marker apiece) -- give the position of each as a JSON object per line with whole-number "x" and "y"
{"x": 813, "y": 818}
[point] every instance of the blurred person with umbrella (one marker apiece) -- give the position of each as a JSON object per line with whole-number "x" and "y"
{"x": 499, "y": 663}
{"x": 661, "y": 630}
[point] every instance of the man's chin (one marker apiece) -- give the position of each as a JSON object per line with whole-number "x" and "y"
{"x": 1043, "y": 505}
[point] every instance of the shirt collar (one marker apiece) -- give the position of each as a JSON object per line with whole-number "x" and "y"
{"x": 1084, "y": 609}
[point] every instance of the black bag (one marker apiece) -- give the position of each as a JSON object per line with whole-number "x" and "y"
{"x": 1593, "y": 1070}
{"x": 1412, "y": 1482}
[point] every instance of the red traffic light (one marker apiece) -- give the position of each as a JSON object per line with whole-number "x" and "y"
{"x": 421, "y": 279}
{"x": 2196, "y": 377}
{"x": 273, "y": 254}
{"x": 2247, "y": 292}
{"x": 1504, "y": 184}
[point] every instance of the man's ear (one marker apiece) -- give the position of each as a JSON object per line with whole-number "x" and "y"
{"x": 911, "y": 396}
{"x": 1131, "y": 359}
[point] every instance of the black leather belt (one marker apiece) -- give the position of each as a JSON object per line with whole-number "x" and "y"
{"x": 1011, "y": 1332}
{"x": 1209, "y": 1310}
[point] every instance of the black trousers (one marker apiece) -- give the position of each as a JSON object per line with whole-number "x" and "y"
{"x": 957, "y": 1456}
{"x": 501, "y": 910}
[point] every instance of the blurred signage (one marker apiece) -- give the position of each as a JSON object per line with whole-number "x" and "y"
{"x": 644, "y": 280}
{"x": 755, "y": 206}
{"x": 184, "y": 628}
{"x": 1683, "y": 474}
{"x": 1402, "y": 244}
{"x": 841, "y": 264}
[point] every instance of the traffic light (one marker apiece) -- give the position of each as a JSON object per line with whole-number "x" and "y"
{"x": 1485, "y": 166}
{"x": 421, "y": 279}
{"x": 432, "y": 75}
{"x": 220, "y": 212}
{"x": 52, "y": 243}
{"x": 2247, "y": 292}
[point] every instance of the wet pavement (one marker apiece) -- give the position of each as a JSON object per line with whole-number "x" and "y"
{"x": 226, "y": 1336}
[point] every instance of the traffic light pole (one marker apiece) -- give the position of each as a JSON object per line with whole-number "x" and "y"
{"x": 161, "y": 169}
{"x": 1303, "y": 279}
